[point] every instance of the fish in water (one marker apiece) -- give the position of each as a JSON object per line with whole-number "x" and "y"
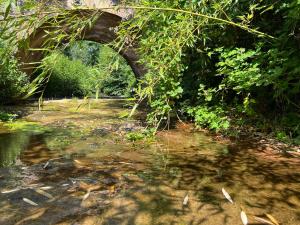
{"x": 274, "y": 221}
{"x": 185, "y": 200}
{"x": 227, "y": 196}
{"x": 30, "y": 202}
{"x": 244, "y": 218}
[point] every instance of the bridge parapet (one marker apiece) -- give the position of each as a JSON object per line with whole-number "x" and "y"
{"x": 105, "y": 5}
{"x": 100, "y": 4}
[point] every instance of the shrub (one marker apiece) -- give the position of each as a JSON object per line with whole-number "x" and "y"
{"x": 213, "y": 118}
{"x": 12, "y": 80}
{"x": 67, "y": 77}
{"x": 74, "y": 75}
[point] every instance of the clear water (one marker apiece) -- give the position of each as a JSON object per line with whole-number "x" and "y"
{"x": 75, "y": 146}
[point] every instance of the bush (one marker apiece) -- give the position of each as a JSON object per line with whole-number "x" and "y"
{"x": 213, "y": 118}
{"x": 76, "y": 75}
{"x": 12, "y": 80}
{"x": 68, "y": 78}
{"x": 7, "y": 116}
{"x": 112, "y": 75}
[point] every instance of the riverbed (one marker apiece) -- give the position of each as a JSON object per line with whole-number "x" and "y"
{"x": 71, "y": 163}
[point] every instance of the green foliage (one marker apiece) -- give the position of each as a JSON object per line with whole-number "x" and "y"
{"x": 218, "y": 71}
{"x": 213, "y": 118}
{"x": 4, "y": 117}
{"x": 239, "y": 71}
{"x": 67, "y": 77}
{"x": 135, "y": 136}
{"x": 112, "y": 75}
{"x": 12, "y": 80}
{"x": 85, "y": 51}
{"x": 140, "y": 135}
{"x": 81, "y": 73}
{"x": 26, "y": 126}
{"x": 220, "y": 59}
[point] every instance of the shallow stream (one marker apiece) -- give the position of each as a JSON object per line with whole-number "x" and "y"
{"x": 71, "y": 164}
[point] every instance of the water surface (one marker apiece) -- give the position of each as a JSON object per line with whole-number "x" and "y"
{"x": 72, "y": 148}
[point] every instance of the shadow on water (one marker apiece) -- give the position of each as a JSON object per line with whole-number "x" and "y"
{"x": 141, "y": 183}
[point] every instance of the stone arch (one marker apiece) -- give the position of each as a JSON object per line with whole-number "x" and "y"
{"x": 103, "y": 31}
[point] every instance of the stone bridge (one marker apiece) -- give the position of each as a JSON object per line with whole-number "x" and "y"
{"x": 102, "y": 32}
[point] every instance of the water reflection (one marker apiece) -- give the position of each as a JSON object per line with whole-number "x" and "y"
{"x": 11, "y": 145}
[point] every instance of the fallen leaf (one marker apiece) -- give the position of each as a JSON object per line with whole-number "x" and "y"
{"x": 112, "y": 189}
{"x": 227, "y": 196}
{"x": 185, "y": 200}
{"x": 89, "y": 187}
{"x": 274, "y": 221}
{"x": 30, "y": 202}
{"x": 244, "y": 218}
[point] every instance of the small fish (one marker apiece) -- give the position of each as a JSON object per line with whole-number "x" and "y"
{"x": 227, "y": 196}
{"x": 244, "y": 218}
{"x": 30, "y": 202}
{"x": 262, "y": 220}
{"x": 185, "y": 200}
{"x": 274, "y": 221}
{"x": 64, "y": 185}
{"x": 86, "y": 196}
{"x": 46, "y": 188}
{"x": 10, "y": 191}
{"x": 46, "y": 165}
{"x": 41, "y": 192}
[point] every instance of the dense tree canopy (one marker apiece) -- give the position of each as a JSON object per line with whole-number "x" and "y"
{"x": 222, "y": 63}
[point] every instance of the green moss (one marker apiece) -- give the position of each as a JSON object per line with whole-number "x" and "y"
{"x": 26, "y": 126}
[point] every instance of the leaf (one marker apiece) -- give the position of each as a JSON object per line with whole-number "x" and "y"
{"x": 244, "y": 218}
{"x": 112, "y": 189}
{"x": 274, "y": 221}
{"x": 227, "y": 196}
{"x": 7, "y": 9}
{"x": 185, "y": 200}
{"x": 262, "y": 220}
{"x": 89, "y": 187}
{"x": 30, "y": 202}
{"x": 133, "y": 110}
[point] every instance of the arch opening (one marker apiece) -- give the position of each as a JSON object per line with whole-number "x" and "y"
{"x": 103, "y": 31}
{"x": 86, "y": 68}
